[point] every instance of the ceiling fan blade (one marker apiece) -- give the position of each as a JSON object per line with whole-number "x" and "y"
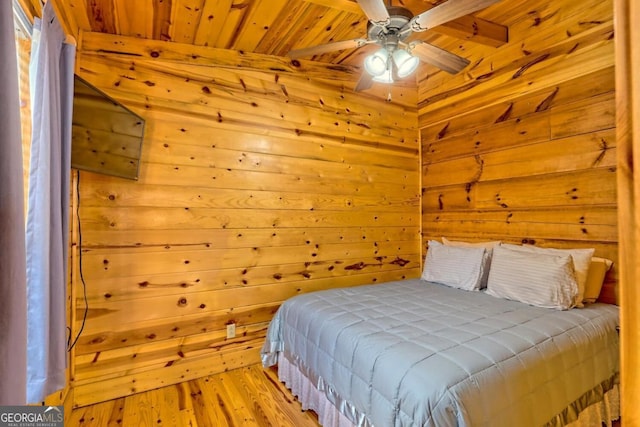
{"x": 376, "y": 11}
{"x": 448, "y": 11}
{"x": 328, "y": 47}
{"x": 365, "y": 82}
{"x": 442, "y": 59}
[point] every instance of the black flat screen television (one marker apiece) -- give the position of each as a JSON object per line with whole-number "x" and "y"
{"x": 106, "y": 137}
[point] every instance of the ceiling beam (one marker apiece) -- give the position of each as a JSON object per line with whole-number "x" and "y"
{"x": 343, "y": 5}
{"x": 475, "y": 29}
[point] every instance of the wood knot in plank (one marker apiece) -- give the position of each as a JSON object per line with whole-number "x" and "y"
{"x": 98, "y": 340}
{"x": 443, "y": 131}
{"x": 525, "y": 67}
{"x": 399, "y": 261}
{"x": 546, "y": 103}
{"x": 358, "y": 266}
{"x": 505, "y": 116}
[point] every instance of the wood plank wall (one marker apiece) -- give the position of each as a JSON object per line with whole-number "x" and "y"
{"x": 255, "y": 185}
{"x": 521, "y": 147}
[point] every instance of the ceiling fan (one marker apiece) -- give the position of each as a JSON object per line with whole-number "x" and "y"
{"x": 389, "y": 26}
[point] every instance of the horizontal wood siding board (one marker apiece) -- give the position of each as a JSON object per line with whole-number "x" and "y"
{"x": 170, "y": 196}
{"x": 192, "y": 238}
{"x": 103, "y": 264}
{"x": 531, "y": 229}
{"x": 150, "y": 218}
{"x": 589, "y": 187}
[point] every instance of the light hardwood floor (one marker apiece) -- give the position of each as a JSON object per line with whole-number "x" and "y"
{"x": 250, "y": 396}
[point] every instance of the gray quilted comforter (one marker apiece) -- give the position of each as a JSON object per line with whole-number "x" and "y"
{"x": 414, "y": 353}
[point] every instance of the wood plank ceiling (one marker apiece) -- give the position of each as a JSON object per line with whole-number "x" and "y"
{"x": 271, "y": 27}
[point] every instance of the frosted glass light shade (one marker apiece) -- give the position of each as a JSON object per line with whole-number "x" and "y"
{"x": 376, "y": 63}
{"x": 405, "y": 62}
{"x": 386, "y": 77}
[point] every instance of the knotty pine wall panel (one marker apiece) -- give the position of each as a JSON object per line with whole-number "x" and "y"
{"x": 254, "y": 186}
{"x": 521, "y": 147}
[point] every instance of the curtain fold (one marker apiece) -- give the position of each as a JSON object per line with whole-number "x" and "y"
{"x": 13, "y": 294}
{"x": 51, "y": 82}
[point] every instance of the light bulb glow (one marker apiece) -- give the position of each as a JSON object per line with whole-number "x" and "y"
{"x": 376, "y": 64}
{"x": 385, "y": 77}
{"x": 405, "y": 62}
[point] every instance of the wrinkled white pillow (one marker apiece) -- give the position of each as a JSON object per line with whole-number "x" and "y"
{"x": 487, "y": 256}
{"x": 581, "y": 263}
{"x": 540, "y": 279}
{"x": 454, "y": 266}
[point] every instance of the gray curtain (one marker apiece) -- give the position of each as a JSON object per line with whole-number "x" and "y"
{"x": 51, "y": 73}
{"x": 13, "y": 293}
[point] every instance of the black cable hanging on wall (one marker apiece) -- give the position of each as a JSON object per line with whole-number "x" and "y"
{"x": 84, "y": 285}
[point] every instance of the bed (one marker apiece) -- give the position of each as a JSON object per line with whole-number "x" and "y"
{"x": 417, "y": 352}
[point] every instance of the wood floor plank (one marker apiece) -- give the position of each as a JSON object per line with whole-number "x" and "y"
{"x": 206, "y": 408}
{"x": 139, "y": 410}
{"x": 186, "y": 414}
{"x": 272, "y": 396}
{"x": 233, "y": 408}
{"x": 95, "y": 415}
{"x": 247, "y": 397}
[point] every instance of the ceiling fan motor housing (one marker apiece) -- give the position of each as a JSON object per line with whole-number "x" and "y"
{"x": 389, "y": 35}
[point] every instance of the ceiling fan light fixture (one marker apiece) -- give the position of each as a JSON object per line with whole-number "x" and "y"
{"x": 376, "y": 64}
{"x": 405, "y": 62}
{"x": 385, "y": 77}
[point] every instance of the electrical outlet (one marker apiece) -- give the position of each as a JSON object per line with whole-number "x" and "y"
{"x": 231, "y": 330}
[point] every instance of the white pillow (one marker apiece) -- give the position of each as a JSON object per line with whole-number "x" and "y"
{"x": 540, "y": 279}
{"x": 595, "y": 278}
{"x": 581, "y": 263}
{"x": 454, "y": 266}
{"x": 487, "y": 256}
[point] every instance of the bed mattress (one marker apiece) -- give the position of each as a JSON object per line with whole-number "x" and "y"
{"x": 418, "y": 353}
